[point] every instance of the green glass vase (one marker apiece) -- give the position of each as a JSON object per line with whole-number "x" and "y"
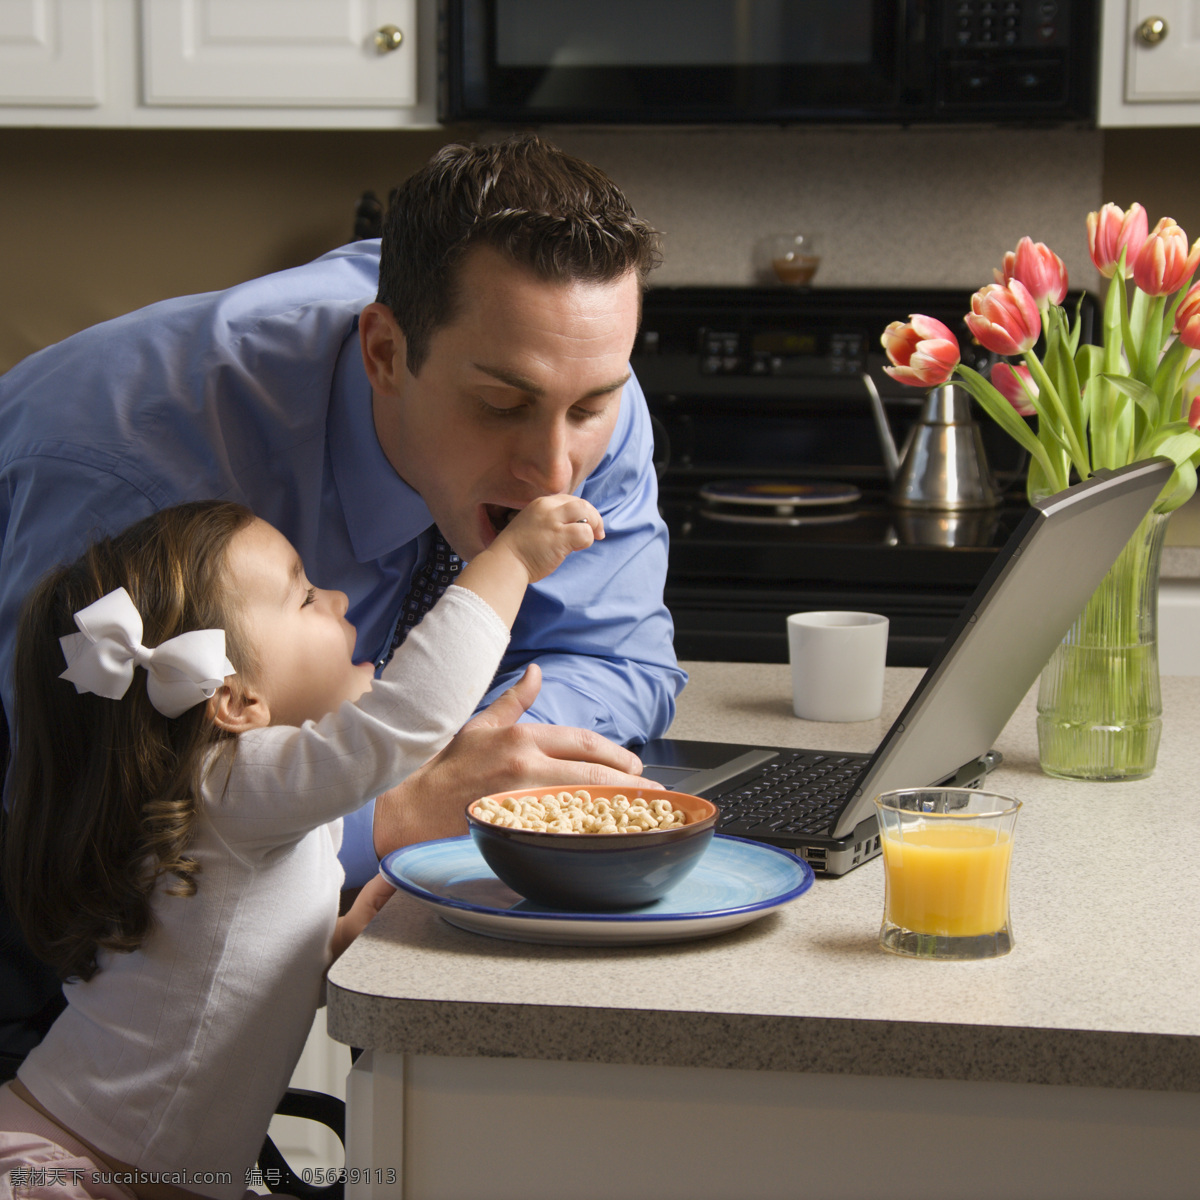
{"x": 1099, "y": 702}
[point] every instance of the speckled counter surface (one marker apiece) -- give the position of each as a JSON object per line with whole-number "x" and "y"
{"x": 1102, "y": 988}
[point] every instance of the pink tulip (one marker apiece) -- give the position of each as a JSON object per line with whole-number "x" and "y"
{"x": 923, "y": 350}
{"x": 1194, "y": 413}
{"x": 1187, "y": 318}
{"x": 1004, "y": 318}
{"x": 1163, "y": 264}
{"x": 1007, "y": 381}
{"x": 1042, "y": 272}
{"x": 1110, "y": 231}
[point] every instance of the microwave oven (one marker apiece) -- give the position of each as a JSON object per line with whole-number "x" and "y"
{"x": 704, "y": 62}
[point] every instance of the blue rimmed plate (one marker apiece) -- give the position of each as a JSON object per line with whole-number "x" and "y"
{"x": 734, "y": 883}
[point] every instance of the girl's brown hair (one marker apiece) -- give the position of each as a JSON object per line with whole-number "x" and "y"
{"x": 103, "y": 794}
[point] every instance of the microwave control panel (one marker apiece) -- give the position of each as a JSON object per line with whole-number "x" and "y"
{"x": 1005, "y": 23}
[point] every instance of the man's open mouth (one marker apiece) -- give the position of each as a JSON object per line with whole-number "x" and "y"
{"x": 498, "y": 516}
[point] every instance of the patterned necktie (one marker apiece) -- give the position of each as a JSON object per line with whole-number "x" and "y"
{"x": 429, "y": 582}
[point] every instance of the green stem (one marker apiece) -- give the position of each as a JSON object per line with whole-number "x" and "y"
{"x": 1117, "y": 334}
{"x": 1150, "y": 347}
{"x": 1048, "y": 393}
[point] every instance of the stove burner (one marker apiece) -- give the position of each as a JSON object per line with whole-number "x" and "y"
{"x": 780, "y": 519}
{"x": 783, "y": 497}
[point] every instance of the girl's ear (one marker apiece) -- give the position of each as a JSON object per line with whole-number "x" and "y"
{"x": 236, "y": 709}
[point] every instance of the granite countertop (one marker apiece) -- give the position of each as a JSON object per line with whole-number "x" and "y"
{"x": 1100, "y": 989}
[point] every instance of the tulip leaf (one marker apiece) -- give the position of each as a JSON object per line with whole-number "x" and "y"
{"x": 1089, "y": 361}
{"x": 1123, "y": 433}
{"x": 1060, "y": 364}
{"x": 1182, "y": 436}
{"x": 1077, "y": 326}
{"x": 1179, "y": 490}
{"x": 1003, "y": 413}
{"x": 1168, "y": 380}
{"x": 1073, "y": 436}
{"x": 1145, "y": 396}
{"x": 1177, "y": 441}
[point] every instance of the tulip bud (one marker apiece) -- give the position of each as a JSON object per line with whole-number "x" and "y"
{"x": 1110, "y": 231}
{"x": 1194, "y": 413}
{"x": 1163, "y": 264}
{"x": 1187, "y": 318}
{"x": 1004, "y": 318}
{"x": 924, "y": 352}
{"x": 1042, "y": 272}
{"x": 1007, "y": 381}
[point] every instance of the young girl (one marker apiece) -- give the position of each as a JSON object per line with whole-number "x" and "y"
{"x": 171, "y": 844}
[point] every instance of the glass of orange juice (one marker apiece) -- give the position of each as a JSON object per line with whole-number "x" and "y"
{"x": 946, "y": 858}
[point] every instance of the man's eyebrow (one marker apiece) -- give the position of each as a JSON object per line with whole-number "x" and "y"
{"x": 513, "y": 380}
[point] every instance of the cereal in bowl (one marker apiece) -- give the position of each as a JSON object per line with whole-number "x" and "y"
{"x": 577, "y": 812}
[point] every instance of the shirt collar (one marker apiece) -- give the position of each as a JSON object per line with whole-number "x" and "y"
{"x": 382, "y": 512}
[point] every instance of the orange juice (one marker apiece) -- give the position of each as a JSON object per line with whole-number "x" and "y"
{"x": 948, "y": 879}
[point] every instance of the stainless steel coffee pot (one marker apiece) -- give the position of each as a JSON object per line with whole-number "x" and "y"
{"x": 942, "y": 464}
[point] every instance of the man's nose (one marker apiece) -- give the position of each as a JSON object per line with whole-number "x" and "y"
{"x": 544, "y": 460}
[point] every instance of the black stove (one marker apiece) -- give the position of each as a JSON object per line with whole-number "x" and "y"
{"x": 761, "y": 391}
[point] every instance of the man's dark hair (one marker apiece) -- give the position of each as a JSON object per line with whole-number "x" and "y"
{"x": 560, "y": 217}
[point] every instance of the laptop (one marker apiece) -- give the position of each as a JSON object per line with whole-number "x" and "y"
{"x": 820, "y": 804}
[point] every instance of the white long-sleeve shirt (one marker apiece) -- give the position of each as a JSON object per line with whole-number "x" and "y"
{"x": 172, "y": 1058}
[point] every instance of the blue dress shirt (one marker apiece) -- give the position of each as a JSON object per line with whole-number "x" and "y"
{"x": 258, "y": 394}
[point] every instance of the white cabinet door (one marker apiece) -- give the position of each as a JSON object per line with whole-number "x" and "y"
{"x": 52, "y": 52}
{"x": 1149, "y": 72}
{"x": 311, "y": 53}
{"x": 1163, "y": 52}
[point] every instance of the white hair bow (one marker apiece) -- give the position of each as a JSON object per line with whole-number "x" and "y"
{"x": 183, "y": 671}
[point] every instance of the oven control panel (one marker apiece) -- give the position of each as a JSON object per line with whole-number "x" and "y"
{"x": 720, "y": 344}
{"x": 781, "y": 352}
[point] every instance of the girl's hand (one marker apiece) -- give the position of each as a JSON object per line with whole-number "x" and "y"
{"x": 546, "y": 530}
{"x": 372, "y": 896}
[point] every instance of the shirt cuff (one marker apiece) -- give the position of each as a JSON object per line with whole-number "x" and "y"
{"x": 357, "y": 853}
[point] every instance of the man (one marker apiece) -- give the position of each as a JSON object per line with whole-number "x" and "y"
{"x": 492, "y": 368}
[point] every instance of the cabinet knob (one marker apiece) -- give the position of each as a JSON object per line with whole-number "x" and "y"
{"x": 388, "y": 38}
{"x": 1152, "y": 31}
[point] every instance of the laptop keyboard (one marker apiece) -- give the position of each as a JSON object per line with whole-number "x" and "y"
{"x": 799, "y": 793}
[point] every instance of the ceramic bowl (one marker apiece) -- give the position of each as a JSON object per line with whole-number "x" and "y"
{"x": 595, "y": 872}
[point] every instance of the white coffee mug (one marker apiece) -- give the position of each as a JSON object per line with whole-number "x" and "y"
{"x": 837, "y": 664}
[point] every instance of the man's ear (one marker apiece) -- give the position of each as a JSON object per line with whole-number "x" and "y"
{"x": 235, "y": 709}
{"x": 383, "y": 348}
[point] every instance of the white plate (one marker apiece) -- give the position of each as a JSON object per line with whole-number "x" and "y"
{"x": 735, "y": 882}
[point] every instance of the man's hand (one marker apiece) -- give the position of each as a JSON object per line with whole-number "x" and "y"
{"x": 492, "y": 753}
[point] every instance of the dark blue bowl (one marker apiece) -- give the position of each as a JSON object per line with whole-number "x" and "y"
{"x": 595, "y": 872}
